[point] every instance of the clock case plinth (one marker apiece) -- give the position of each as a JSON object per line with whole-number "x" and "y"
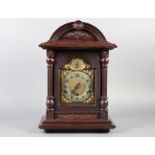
{"x": 77, "y": 40}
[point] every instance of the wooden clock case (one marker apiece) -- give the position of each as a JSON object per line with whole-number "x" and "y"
{"x": 77, "y": 40}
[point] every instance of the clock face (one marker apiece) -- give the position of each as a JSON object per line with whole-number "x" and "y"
{"x": 77, "y": 86}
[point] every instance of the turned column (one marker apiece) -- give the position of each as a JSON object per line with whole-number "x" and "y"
{"x": 104, "y": 98}
{"x": 50, "y": 92}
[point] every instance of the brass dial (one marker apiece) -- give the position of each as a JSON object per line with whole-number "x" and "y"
{"x": 77, "y": 86}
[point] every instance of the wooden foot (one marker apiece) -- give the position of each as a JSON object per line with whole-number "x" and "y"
{"x": 54, "y": 125}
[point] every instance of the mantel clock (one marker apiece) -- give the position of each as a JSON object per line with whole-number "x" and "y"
{"x": 77, "y": 59}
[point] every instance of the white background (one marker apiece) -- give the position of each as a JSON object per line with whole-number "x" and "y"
{"x": 75, "y": 9}
{"x": 23, "y": 80}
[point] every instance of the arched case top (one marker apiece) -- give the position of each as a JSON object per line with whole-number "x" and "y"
{"x": 78, "y": 30}
{"x": 77, "y": 35}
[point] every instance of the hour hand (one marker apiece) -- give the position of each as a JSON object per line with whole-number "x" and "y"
{"x": 75, "y": 88}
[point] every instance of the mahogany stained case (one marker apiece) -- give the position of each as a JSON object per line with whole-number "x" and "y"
{"x": 77, "y": 58}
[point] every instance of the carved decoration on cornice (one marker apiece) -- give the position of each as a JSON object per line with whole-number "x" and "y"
{"x": 77, "y": 35}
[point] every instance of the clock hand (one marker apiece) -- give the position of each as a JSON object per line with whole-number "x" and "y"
{"x": 75, "y": 88}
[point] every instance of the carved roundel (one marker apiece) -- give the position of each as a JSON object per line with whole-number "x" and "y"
{"x": 78, "y": 25}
